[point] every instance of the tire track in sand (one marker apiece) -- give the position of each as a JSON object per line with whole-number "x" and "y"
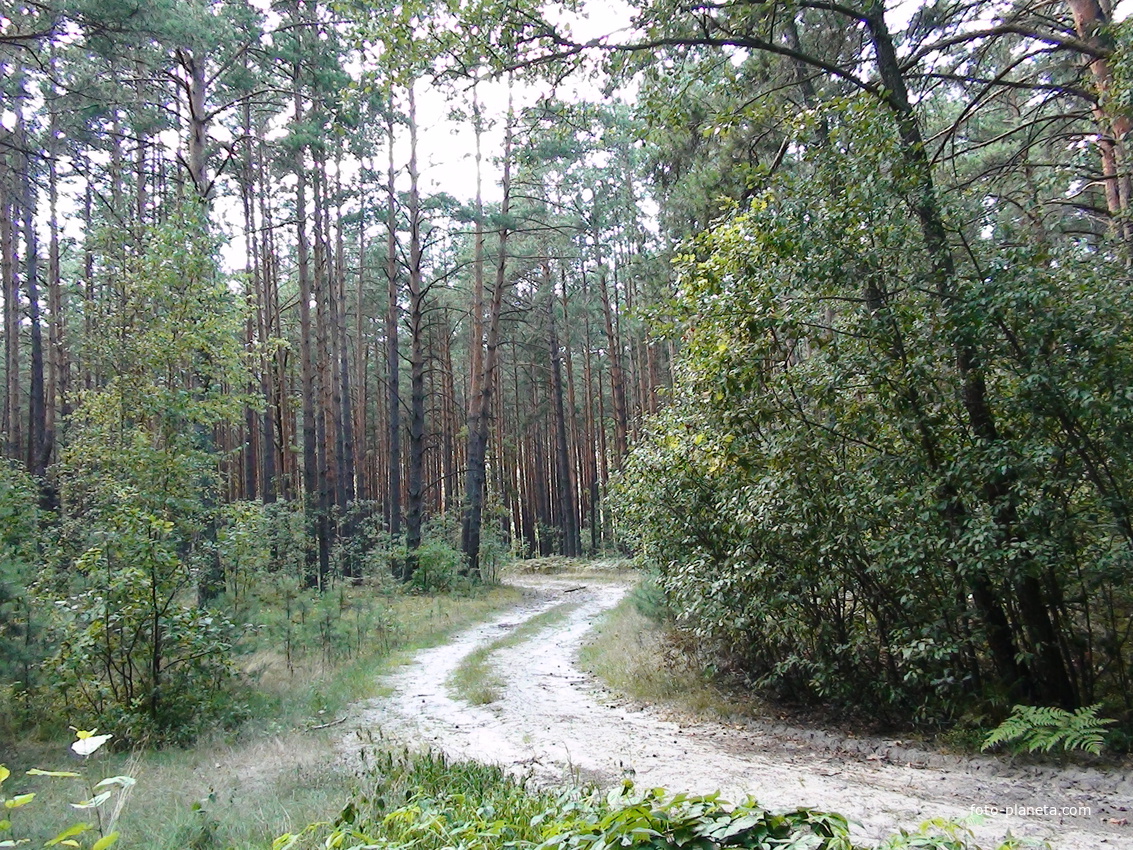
{"x": 555, "y": 723}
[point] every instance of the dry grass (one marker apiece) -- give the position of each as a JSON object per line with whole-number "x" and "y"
{"x": 592, "y": 569}
{"x": 634, "y": 656}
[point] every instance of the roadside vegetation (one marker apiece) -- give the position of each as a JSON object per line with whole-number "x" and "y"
{"x": 633, "y": 651}
{"x": 401, "y": 800}
{"x": 427, "y": 802}
{"x": 638, "y": 651}
{"x": 276, "y": 764}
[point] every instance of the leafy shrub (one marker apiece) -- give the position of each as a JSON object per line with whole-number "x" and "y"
{"x": 826, "y": 512}
{"x": 1044, "y": 728}
{"x": 244, "y": 547}
{"x": 429, "y": 803}
{"x": 130, "y": 652}
{"x": 438, "y": 566}
{"x": 20, "y": 520}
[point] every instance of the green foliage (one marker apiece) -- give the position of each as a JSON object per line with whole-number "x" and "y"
{"x": 1044, "y": 728}
{"x": 822, "y": 513}
{"x": 20, "y": 537}
{"x": 938, "y": 834}
{"x": 137, "y": 541}
{"x": 439, "y": 559}
{"x": 649, "y": 600}
{"x": 130, "y": 654}
{"x": 166, "y": 343}
{"x": 334, "y": 625}
{"x": 429, "y": 803}
{"x": 438, "y": 566}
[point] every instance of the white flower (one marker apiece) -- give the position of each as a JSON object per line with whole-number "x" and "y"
{"x": 87, "y": 744}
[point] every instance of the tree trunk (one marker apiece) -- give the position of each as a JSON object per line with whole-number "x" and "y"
{"x": 12, "y": 413}
{"x": 393, "y": 357}
{"x": 1049, "y": 679}
{"x": 313, "y": 578}
{"x": 415, "y": 478}
{"x": 324, "y": 415}
{"x": 568, "y": 515}
{"x": 273, "y": 439}
{"x": 614, "y": 354}
{"x": 38, "y": 446}
{"x": 344, "y": 408}
{"x": 477, "y": 451}
{"x": 1090, "y": 21}
{"x": 198, "y": 123}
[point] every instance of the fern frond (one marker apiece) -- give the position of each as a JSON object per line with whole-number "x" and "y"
{"x": 1031, "y": 728}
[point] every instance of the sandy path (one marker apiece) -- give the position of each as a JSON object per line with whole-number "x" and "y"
{"x": 556, "y": 723}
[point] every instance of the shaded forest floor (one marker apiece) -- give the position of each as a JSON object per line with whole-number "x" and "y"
{"x": 542, "y": 715}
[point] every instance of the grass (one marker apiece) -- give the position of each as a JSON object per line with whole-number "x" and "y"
{"x": 275, "y": 772}
{"x": 475, "y": 682}
{"x": 314, "y": 691}
{"x": 632, "y": 654}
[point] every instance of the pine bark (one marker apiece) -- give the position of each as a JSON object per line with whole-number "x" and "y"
{"x": 568, "y": 515}
{"x": 415, "y": 483}
{"x": 478, "y": 420}
{"x": 393, "y": 357}
{"x": 313, "y": 577}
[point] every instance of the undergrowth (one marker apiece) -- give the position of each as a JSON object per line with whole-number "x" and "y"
{"x": 427, "y": 802}
{"x": 1046, "y": 728}
{"x": 237, "y": 789}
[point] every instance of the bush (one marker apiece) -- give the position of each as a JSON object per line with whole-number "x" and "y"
{"x": 823, "y": 506}
{"x": 20, "y": 520}
{"x": 131, "y": 652}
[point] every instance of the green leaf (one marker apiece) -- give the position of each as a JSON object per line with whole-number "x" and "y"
{"x": 105, "y": 841}
{"x": 69, "y": 832}
{"x": 20, "y": 800}
{"x": 65, "y": 774}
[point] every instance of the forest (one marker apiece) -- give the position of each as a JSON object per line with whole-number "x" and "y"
{"x": 819, "y": 310}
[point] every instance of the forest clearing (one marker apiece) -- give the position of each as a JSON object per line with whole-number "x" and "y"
{"x": 321, "y": 316}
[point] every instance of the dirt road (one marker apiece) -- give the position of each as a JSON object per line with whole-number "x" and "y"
{"x": 556, "y": 723}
